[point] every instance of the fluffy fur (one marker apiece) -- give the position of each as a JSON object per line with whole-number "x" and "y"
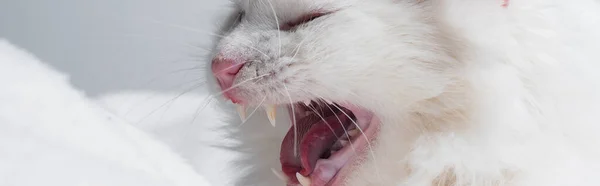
{"x": 52, "y": 134}
{"x": 469, "y": 92}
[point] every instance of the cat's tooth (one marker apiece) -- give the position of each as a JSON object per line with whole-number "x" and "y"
{"x": 304, "y": 181}
{"x": 344, "y": 142}
{"x": 353, "y": 132}
{"x": 307, "y": 102}
{"x": 271, "y": 113}
{"x": 241, "y": 109}
{"x": 280, "y": 175}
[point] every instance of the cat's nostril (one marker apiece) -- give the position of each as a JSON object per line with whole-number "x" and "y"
{"x": 225, "y": 71}
{"x": 226, "y": 66}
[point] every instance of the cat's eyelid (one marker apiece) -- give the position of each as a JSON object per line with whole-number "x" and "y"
{"x": 302, "y": 20}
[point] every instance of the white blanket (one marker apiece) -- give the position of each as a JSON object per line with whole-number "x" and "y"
{"x": 53, "y": 135}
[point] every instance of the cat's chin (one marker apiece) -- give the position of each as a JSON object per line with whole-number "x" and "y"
{"x": 324, "y": 141}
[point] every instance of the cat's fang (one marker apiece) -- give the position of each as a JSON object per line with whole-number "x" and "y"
{"x": 241, "y": 109}
{"x": 271, "y": 113}
{"x": 307, "y": 102}
{"x": 304, "y": 181}
{"x": 344, "y": 142}
{"x": 353, "y": 132}
{"x": 280, "y": 175}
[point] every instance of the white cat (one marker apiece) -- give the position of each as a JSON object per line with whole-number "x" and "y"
{"x": 418, "y": 92}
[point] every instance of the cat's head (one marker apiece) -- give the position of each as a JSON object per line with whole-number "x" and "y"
{"x": 343, "y": 67}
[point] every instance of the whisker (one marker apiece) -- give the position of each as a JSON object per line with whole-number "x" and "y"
{"x": 166, "y": 103}
{"x": 187, "y": 28}
{"x": 185, "y": 70}
{"x": 206, "y": 102}
{"x": 254, "y": 111}
{"x": 364, "y": 135}
{"x": 256, "y": 49}
{"x": 235, "y": 66}
{"x": 297, "y": 49}
{"x": 278, "y": 26}
{"x": 232, "y": 25}
{"x": 175, "y": 72}
{"x": 141, "y": 36}
{"x": 245, "y": 44}
{"x": 341, "y": 124}
{"x": 211, "y": 97}
{"x": 239, "y": 84}
{"x": 322, "y": 118}
{"x": 293, "y": 121}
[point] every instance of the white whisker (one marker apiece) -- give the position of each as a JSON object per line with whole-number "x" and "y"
{"x": 364, "y": 135}
{"x": 254, "y": 111}
{"x": 239, "y": 84}
{"x": 165, "y": 104}
{"x": 343, "y": 127}
{"x": 293, "y": 121}
{"x": 141, "y": 36}
{"x": 278, "y": 26}
{"x": 255, "y": 49}
{"x": 297, "y": 49}
{"x": 228, "y": 68}
{"x": 209, "y": 33}
{"x": 322, "y": 118}
{"x": 186, "y": 28}
{"x": 207, "y": 101}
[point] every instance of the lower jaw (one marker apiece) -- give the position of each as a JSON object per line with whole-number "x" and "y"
{"x": 335, "y": 170}
{"x": 363, "y": 145}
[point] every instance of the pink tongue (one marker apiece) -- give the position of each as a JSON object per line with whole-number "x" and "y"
{"x": 315, "y": 138}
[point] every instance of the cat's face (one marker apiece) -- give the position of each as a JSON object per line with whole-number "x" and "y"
{"x": 343, "y": 67}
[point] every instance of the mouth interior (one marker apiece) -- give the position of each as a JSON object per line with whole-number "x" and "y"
{"x": 322, "y": 140}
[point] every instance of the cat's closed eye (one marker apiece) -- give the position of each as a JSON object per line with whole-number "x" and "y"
{"x": 301, "y": 20}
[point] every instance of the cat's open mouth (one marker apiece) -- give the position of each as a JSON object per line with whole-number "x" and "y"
{"x": 326, "y": 139}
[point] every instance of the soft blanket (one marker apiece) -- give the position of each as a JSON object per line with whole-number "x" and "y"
{"x": 53, "y": 135}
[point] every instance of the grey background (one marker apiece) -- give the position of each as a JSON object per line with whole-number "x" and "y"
{"x": 116, "y": 45}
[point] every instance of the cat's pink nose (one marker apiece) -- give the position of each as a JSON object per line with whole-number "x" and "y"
{"x": 225, "y": 71}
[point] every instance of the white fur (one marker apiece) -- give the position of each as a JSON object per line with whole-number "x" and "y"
{"x": 469, "y": 92}
{"x": 53, "y": 135}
